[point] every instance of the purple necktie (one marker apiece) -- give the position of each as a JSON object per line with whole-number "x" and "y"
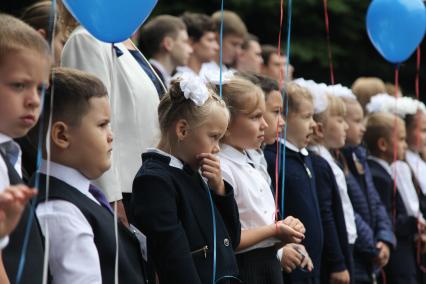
{"x": 100, "y": 197}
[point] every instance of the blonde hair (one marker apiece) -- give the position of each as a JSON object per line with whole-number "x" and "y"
{"x": 366, "y": 87}
{"x": 232, "y": 23}
{"x": 38, "y": 16}
{"x": 238, "y": 96}
{"x": 294, "y": 95}
{"x": 380, "y": 125}
{"x": 335, "y": 107}
{"x": 15, "y": 35}
{"x": 174, "y": 106}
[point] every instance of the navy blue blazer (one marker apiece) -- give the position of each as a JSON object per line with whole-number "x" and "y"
{"x": 402, "y": 267}
{"x": 301, "y": 202}
{"x": 371, "y": 218}
{"x": 171, "y": 207}
{"x": 337, "y": 252}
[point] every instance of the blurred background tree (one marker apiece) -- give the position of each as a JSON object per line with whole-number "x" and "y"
{"x": 353, "y": 54}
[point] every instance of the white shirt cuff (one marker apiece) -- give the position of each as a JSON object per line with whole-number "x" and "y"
{"x": 280, "y": 254}
{"x": 4, "y": 242}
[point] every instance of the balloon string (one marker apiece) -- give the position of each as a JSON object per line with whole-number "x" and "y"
{"x": 418, "y": 72}
{"x": 221, "y": 49}
{"x": 327, "y": 30}
{"x": 395, "y": 147}
{"x": 281, "y": 79}
{"x": 289, "y": 14}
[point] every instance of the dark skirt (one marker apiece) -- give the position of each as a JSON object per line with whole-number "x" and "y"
{"x": 260, "y": 266}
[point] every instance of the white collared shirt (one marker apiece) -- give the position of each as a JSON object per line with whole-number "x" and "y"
{"x": 293, "y": 147}
{"x": 174, "y": 162}
{"x": 4, "y": 176}
{"x": 404, "y": 184}
{"x": 73, "y": 256}
{"x": 339, "y": 175}
{"x": 166, "y": 75}
{"x": 418, "y": 166}
{"x": 259, "y": 161}
{"x": 252, "y": 192}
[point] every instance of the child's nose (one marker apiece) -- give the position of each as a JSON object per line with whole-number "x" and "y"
{"x": 216, "y": 148}
{"x": 32, "y": 99}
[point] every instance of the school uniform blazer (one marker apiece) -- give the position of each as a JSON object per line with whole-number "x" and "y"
{"x": 372, "y": 221}
{"x": 171, "y": 206}
{"x": 336, "y": 253}
{"x": 134, "y": 101}
{"x": 402, "y": 263}
{"x": 300, "y": 201}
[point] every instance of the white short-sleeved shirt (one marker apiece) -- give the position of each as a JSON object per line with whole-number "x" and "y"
{"x": 252, "y": 192}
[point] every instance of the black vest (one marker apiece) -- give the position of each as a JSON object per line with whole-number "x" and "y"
{"x": 130, "y": 267}
{"x": 33, "y": 269}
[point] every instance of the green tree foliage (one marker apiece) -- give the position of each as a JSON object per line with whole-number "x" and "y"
{"x": 353, "y": 54}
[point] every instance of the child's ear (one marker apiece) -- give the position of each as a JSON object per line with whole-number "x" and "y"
{"x": 182, "y": 129}
{"x": 382, "y": 144}
{"x": 319, "y": 130}
{"x": 59, "y": 134}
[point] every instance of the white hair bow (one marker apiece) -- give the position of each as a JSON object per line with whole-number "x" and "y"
{"x": 194, "y": 88}
{"x": 317, "y": 91}
{"x": 400, "y": 106}
{"x": 213, "y": 76}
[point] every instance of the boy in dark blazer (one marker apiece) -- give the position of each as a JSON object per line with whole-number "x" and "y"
{"x": 381, "y": 142}
{"x": 75, "y": 214}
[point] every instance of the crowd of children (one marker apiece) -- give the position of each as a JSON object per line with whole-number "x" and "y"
{"x": 170, "y": 169}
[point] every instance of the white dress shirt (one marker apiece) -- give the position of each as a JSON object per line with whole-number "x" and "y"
{"x": 259, "y": 161}
{"x": 418, "y": 166}
{"x": 166, "y": 75}
{"x": 73, "y": 256}
{"x": 252, "y": 192}
{"x": 134, "y": 102}
{"x": 4, "y": 176}
{"x": 339, "y": 175}
{"x": 404, "y": 184}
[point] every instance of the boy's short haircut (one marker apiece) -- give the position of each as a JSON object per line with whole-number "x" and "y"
{"x": 197, "y": 25}
{"x": 232, "y": 24}
{"x": 267, "y": 51}
{"x": 15, "y": 35}
{"x": 249, "y": 38}
{"x": 295, "y": 94}
{"x": 72, "y": 90}
{"x": 379, "y": 125}
{"x": 153, "y": 33}
{"x": 366, "y": 87}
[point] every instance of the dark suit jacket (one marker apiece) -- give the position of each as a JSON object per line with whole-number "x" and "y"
{"x": 402, "y": 263}
{"x": 171, "y": 206}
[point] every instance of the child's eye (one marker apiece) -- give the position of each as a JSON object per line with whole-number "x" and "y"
{"x": 18, "y": 86}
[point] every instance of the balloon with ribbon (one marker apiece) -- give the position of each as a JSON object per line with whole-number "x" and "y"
{"x": 111, "y": 20}
{"x": 396, "y": 27}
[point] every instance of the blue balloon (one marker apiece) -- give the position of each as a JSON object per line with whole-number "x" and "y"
{"x": 111, "y": 20}
{"x": 396, "y": 27}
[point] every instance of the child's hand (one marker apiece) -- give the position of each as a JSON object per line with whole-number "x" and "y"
{"x": 340, "y": 277}
{"x": 384, "y": 253}
{"x": 291, "y": 230}
{"x": 294, "y": 256}
{"x": 210, "y": 169}
{"x": 12, "y": 203}
{"x": 295, "y": 224}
